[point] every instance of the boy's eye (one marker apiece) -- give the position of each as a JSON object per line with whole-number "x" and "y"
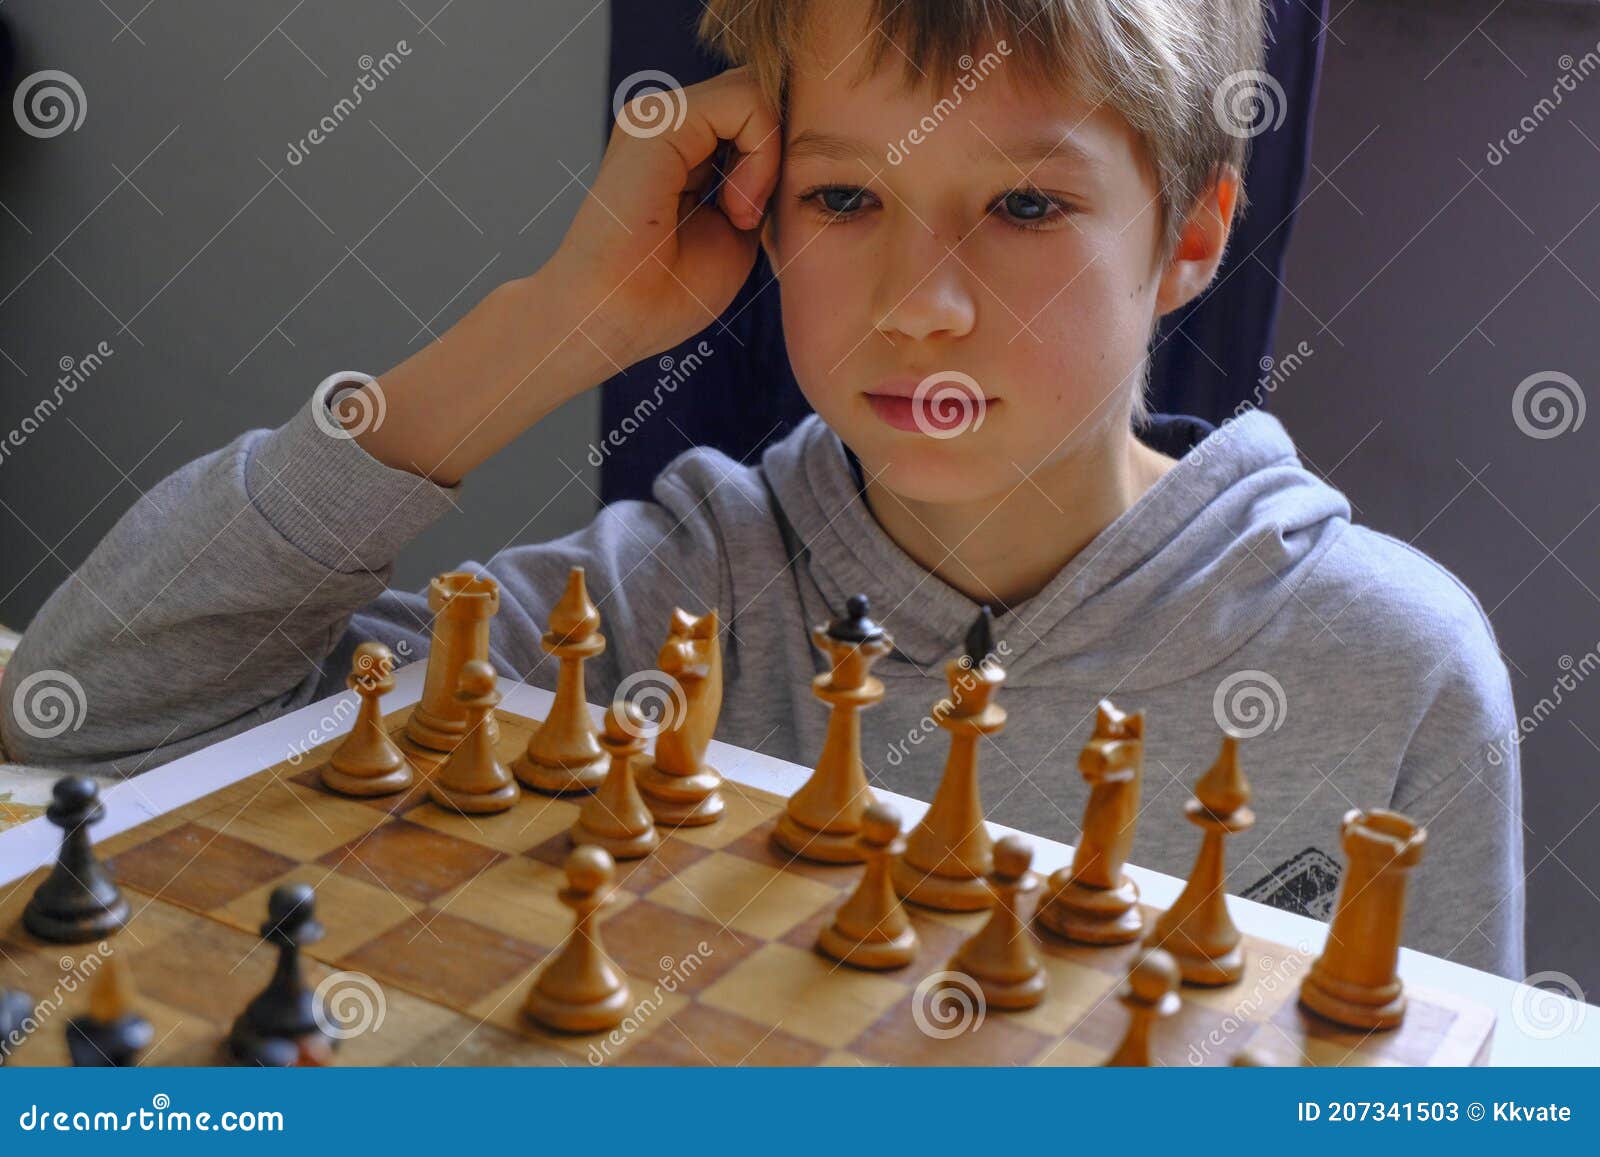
{"x": 837, "y": 200}
{"x": 1029, "y": 206}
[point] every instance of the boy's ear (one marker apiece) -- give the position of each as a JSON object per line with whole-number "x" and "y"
{"x": 1200, "y": 246}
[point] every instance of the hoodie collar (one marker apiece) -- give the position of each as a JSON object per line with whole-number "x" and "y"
{"x": 1175, "y": 584}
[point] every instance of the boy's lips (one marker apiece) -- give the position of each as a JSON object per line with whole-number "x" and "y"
{"x": 940, "y": 406}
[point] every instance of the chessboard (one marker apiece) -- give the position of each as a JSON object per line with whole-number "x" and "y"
{"x": 437, "y": 923}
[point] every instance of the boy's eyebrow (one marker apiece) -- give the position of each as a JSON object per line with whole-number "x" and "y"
{"x": 1024, "y": 153}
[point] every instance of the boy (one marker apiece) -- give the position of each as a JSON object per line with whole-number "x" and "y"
{"x": 968, "y": 309}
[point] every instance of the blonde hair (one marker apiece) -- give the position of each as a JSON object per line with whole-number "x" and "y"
{"x": 1184, "y": 73}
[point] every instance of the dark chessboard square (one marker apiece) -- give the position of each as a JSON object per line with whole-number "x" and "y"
{"x": 447, "y": 959}
{"x": 896, "y": 1038}
{"x": 197, "y": 867}
{"x": 700, "y": 1035}
{"x": 756, "y": 844}
{"x": 411, "y": 860}
{"x": 678, "y": 952}
{"x": 637, "y": 876}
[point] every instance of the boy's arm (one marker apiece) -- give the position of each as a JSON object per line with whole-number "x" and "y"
{"x": 1461, "y": 779}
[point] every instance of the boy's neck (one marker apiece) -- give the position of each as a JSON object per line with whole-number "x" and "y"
{"x": 991, "y": 549}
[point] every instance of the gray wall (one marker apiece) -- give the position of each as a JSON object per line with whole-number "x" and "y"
{"x": 1421, "y": 278}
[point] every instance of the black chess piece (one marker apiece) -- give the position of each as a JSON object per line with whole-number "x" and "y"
{"x": 78, "y": 900}
{"x": 855, "y": 625}
{"x": 112, "y": 1034}
{"x": 980, "y": 637}
{"x": 16, "y": 1010}
{"x": 281, "y": 1026}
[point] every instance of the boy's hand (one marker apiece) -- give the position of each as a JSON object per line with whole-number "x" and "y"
{"x": 644, "y": 256}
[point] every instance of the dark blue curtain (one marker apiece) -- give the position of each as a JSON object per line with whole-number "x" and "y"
{"x": 1207, "y": 357}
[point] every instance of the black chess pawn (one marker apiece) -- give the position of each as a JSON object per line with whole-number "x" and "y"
{"x": 78, "y": 900}
{"x": 281, "y": 1026}
{"x": 112, "y": 1034}
{"x": 16, "y": 1011}
{"x": 856, "y": 624}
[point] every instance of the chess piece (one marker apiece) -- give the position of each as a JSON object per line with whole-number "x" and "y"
{"x": 871, "y": 929}
{"x": 1354, "y": 982}
{"x": 1000, "y": 956}
{"x": 1197, "y": 929}
{"x": 680, "y": 787}
{"x": 78, "y": 901}
{"x": 949, "y": 854}
{"x": 1150, "y": 995}
{"x": 462, "y": 605}
{"x": 113, "y": 1034}
{"x": 1093, "y": 901}
{"x": 472, "y": 779}
{"x": 564, "y": 754}
{"x": 615, "y": 817}
{"x": 16, "y": 1020}
{"x": 823, "y": 818}
{"x": 581, "y": 990}
{"x": 368, "y": 762}
{"x": 285, "y": 1024}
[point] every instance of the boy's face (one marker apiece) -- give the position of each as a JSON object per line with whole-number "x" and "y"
{"x": 1023, "y": 278}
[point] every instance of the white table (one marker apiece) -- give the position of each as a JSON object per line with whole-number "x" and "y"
{"x": 128, "y": 804}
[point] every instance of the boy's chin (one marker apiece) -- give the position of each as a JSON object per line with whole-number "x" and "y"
{"x": 933, "y": 473}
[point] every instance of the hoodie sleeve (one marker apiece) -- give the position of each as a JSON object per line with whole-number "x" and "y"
{"x": 236, "y": 589}
{"x": 1461, "y": 779}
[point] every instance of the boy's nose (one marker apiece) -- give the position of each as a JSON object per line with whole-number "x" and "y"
{"x": 924, "y": 293}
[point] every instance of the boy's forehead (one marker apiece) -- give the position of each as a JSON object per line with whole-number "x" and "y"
{"x": 834, "y": 94}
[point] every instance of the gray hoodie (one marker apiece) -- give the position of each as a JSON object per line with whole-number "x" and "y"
{"x": 1235, "y": 592}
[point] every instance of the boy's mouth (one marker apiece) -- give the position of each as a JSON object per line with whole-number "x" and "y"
{"x": 941, "y": 405}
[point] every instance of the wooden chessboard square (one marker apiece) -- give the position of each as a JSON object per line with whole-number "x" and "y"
{"x": 937, "y": 939}
{"x": 681, "y": 952}
{"x": 211, "y": 971}
{"x": 411, "y": 859}
{"x": 350, "y": 911}
{"x": 470, "y": 1042}
{"x": 197, "y": 867}
{"x": 386, "y": 1027}
{"x": 519, "y": 897}
{"x": 1196, "y": 1035}
{"x": 931, "y": 1026}
{"x": 1321, "y": 1042}
{"x": 651, "y": 1011}
{"x": 444, "y": 958}
{"x": 801, "y": 993}
{"x": 1075, "y": 990}
{"x": 671, "y": 857}
{"x": 533, "y": 819}
{"x": 751, "y": 898}
{"x": 756, "y": 844}
{"x": 132, "y": 837}
{"x": 292, "y": 820}
{"x": 701, "y": 1035}
{"x": 746, "y": 807}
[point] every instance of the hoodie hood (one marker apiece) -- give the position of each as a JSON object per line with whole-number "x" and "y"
{"x": 1178, "y": 582}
